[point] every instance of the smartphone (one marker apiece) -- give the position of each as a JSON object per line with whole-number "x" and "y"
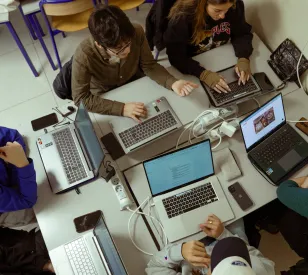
{"x": 303, "y": 126}
{"x": 264, "y": 82}
{"x": 113, "y": 146}
{"x": 44, "y": 122}
{"x": 240, "y": 195}
{"x": 88, "y": 221}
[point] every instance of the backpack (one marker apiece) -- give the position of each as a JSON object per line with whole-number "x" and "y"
{"x": 157, "y": 23}
{"x": 62, "y": 84}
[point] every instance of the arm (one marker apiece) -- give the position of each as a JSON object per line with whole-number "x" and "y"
{"x": 26, "y": 196}
{"x": 177, "y": 39}
{"x": 260, "y": 264}
{"x": 241, "y": 36}
{"x": 294, "y": 197}
{"x": 167, "y": 261}
{"x": 11, "y": 135}
{"x": 150, "y": 67}
{"x": 81, "y": 79}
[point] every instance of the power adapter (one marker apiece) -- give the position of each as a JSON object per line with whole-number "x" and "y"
{"x": 227, "y": 129}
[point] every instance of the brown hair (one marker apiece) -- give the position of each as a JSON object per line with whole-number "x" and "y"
{"x": 196, "y": 9}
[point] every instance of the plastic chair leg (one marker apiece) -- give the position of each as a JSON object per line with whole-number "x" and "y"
{"x": 38, "y": 25}
{"x": 21, "y": 47}
{"x": 39, "y": 36}
{"x": 156, "y": 55}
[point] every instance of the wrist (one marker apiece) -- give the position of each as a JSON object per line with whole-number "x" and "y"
{"x": 22, "y": 163}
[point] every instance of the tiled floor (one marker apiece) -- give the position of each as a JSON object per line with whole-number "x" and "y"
{"x": 20, "y": 90}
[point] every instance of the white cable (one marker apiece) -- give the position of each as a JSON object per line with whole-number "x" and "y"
{"x": 298, "y": 64}
{"x": 294, "y": 121}
{"x": 147, "y": 200}
{"x": 220, "y": 139}
{"x": 257, "y": 102}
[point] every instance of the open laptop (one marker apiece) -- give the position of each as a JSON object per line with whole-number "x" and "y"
{"x": 238, "y": 93}
{"x": 161, "y": 120}
{"x": 92, "y": 254}
{"x": 72, "y": 154}
{"x": 272, "y": 144}
{"x": 185, "y": 190}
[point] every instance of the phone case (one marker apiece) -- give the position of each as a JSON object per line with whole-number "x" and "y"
{"x": 303, "y": 126}
{"x": 88, "y": 221}
{"x": 240, "y": 195}
{"x": 44, "y": 122}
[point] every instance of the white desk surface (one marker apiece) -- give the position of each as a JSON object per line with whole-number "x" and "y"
{"x": 260, "y": 191}
{"x": 187, "y": 108}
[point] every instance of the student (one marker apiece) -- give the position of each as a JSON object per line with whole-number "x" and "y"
{"x": 294, "y": 223}
{"x": 117, "y": 53}
{"x": 195, "y": 258}
{"x": 18, "y": 188}
{"x": 198, "y": 26}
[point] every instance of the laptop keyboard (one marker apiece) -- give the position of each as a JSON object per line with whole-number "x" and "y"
{"x": 236, "y": 91}
{"x": 69, "y": 155}
{"x": 80, "y": 258}
{"x": 275, "y": 147}
{"x": 190, "y": 200}
{"x": 148, "y": 128}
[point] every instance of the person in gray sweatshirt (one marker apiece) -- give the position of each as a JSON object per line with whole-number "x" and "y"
{"x": 193, "y": 257}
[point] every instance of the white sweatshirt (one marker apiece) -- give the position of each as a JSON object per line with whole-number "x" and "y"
{"x": 170, "y": 261}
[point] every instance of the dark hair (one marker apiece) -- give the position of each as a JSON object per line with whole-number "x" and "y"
{"x": 110, "y": 27}
{"x": 196, "y": 8}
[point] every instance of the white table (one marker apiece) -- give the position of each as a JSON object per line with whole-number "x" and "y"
{"x": 187, "y": 108}
{"x": 259, "y": 189}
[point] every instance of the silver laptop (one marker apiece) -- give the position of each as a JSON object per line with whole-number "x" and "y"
{"x": 238, "y": 93}
{"x": 72, "y": 154}
{"x": 161, "y": 120}
{"x": 92, "y": 254}
{"x": 185, "y": 190}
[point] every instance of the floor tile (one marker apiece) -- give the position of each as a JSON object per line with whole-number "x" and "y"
{"x": 18, "y": 84}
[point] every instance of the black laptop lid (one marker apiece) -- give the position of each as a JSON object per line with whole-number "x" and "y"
{"x": 263, "y": 122}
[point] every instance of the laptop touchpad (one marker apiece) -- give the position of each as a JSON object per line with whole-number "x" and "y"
{"x": 289, "y": 160}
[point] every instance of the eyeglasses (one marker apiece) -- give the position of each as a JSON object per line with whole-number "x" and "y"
{"x": 122, "y": 50}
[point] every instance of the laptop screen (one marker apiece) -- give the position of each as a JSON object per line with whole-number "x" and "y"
{"x": 179, "y": 168}
{"x": 109, "y": 249}
{"x": 263, "y": 121}
{"x": 86, "y": 131}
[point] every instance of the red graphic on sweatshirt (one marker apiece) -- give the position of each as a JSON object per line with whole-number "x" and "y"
{"x": 223, "y": 27}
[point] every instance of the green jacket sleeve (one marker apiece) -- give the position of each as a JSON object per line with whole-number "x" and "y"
{"x": 294, "y": 197}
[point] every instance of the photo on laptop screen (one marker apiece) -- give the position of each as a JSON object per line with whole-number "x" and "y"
{"x": 179, "y": 168}
{"x": 260, "y": 123}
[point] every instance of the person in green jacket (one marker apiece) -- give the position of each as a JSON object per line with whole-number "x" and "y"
{"x": 294, "y": 223}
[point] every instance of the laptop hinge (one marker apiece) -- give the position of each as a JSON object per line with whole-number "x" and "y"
{"x": 101, "y": 255}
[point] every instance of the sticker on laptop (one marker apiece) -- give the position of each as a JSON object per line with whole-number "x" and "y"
{"x": 269, "y": 171}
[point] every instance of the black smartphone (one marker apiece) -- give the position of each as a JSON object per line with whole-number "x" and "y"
{"x": 240, "y": 195}
{"x": 87, "y": 221}
{"x": 264, "y": 82}
{"x": 44, "y": 122}
{"x": 113, "y": 146}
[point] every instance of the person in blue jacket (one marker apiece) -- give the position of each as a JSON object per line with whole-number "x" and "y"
{"x": 18, "y": 188}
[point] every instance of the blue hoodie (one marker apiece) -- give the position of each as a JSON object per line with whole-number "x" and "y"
{"x": 18, "y": 188}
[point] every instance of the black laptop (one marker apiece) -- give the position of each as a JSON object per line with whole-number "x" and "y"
{"x": 272, "y": 144}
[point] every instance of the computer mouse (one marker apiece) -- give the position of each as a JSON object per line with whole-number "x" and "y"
{"x": 71, "y": 108}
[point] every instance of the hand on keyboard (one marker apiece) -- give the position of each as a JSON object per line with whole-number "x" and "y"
{"x": 135, "y": 110}
{"x": 183, "y": 87}
{"x": 242, "y": 70}
{"x": 215, "y": 81}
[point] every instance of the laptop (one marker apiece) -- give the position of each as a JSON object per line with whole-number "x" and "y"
{"x": 92, "y": 254}
{"x": 161, "y": 120}
{"x": 272, "y": 144}
{"x": 185, "y": 190}
{"x": 238, "y": 93}
{"x": 71, "y": 155}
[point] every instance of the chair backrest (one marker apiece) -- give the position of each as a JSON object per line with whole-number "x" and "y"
{"x": 62, "y": 8}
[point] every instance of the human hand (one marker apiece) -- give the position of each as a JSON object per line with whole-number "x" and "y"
{"x": 49, "y": 267}
{"x": 14, "y": 154}
{"x": 212, "y": 227}
{"x": 183, "y": 87}
{"x": 305, "y": 183}
{"x": 194, "y": 252}
{"x": 215, "y": 81}
{"x": 242, "y": 70}
{"x": 135, "y": 110}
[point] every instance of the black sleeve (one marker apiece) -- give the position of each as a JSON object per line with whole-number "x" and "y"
{"x": 177, "y": 37}
{"x": 241, "y": 36}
